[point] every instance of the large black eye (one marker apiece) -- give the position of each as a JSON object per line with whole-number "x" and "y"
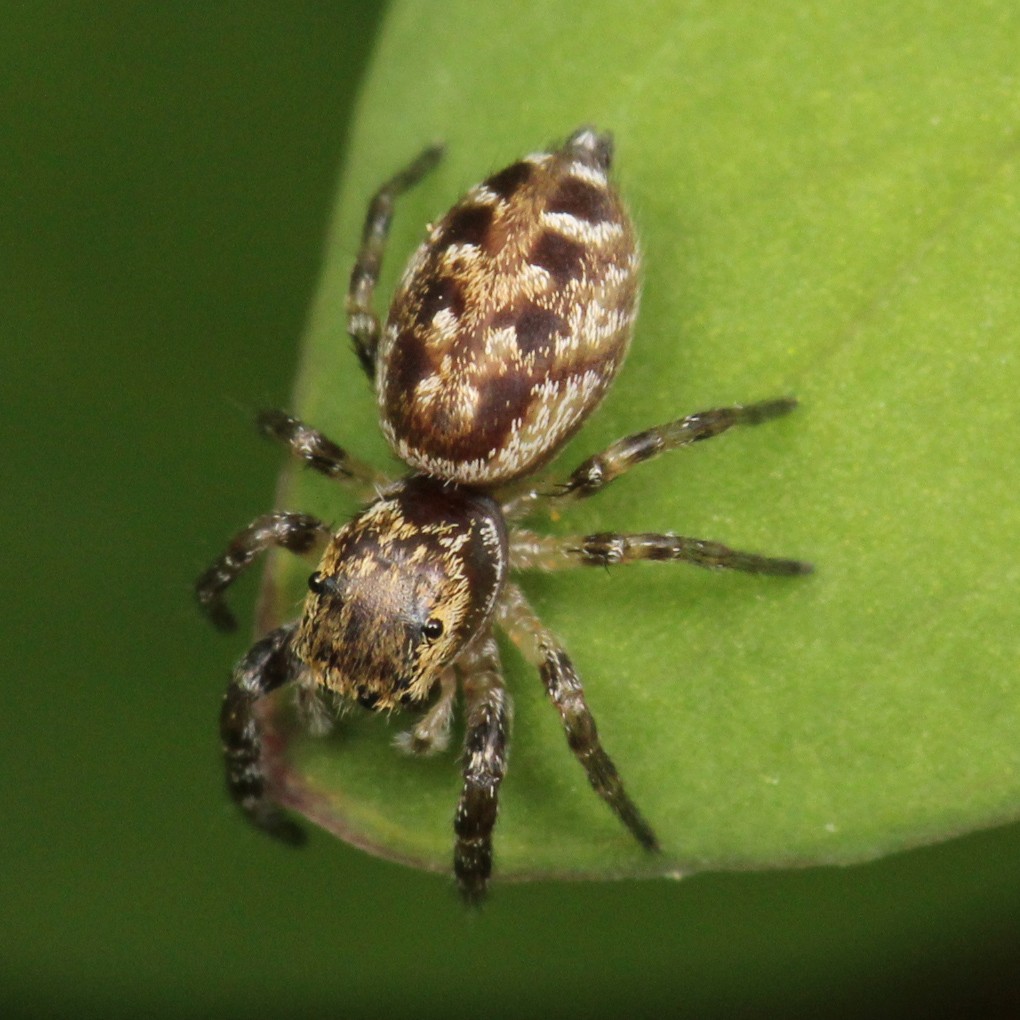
{"x": 433, "y": 629}
{"x": 317, "y": 584}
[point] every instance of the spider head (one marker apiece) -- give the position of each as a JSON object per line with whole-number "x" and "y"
{"x": 401, "y": 590}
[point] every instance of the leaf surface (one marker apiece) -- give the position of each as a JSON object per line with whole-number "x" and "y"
{"x": 829, "y": 205}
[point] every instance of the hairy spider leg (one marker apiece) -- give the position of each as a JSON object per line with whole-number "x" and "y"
{"x": 431, "y": 733}
{"x": 362, "y": 320}
{"x": 319, "y": 452}
{"x": 270, "y": 663}
{"x": 485, "y": 754}
{"x": 300, "y": 533}
{"x": 541, "y": 647}
{"x": 595, "y": 473}
{"x": 529, "y": 551}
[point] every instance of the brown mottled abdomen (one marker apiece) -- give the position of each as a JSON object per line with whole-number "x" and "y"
{"x": 512, "y": 319}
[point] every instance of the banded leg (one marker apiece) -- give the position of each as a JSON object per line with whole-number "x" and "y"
{"x": 362, "y": 321}
{"x": 318, "y": 451}
{"x": 300, "y": 533}
{"x": 564, "y": 688}
{"x": 431, "y": 733}
{"x": 485, "y": 754}
{"x": 545, "y": 552}
{"x": 598, "y": 471}
{"x": 268, "y": 665}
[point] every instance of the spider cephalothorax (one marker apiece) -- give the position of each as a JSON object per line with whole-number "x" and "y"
{"x": 506, "y": 330}
{"x": 401, "y": 590}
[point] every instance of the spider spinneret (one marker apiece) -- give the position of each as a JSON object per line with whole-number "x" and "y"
{"x": 506, "y": 329}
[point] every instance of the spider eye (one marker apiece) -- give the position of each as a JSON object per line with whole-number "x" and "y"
{"x": 317, "y": 584}
{"x": 433, "y": 629}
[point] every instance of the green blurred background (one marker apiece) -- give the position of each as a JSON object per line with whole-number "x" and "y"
{"x": 167, "y": 175}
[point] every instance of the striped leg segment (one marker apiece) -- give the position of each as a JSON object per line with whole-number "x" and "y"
{"x": 300, "y": 533}
{"x": 485, "y": 756}
{"x": 594, "y": 474}
{"x": 598, "y": 471}
{"x": 564, "y": 688}
{"x": 529, "y": 550}
{"x": 268, "y": 665}
{"x": 362, "y": 321}
{"x": 317, "y": 451}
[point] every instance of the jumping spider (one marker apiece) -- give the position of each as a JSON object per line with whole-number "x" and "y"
{"x": 506, "y": 330}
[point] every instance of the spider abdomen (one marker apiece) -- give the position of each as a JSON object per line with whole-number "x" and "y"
{"x": 512, "y": 319}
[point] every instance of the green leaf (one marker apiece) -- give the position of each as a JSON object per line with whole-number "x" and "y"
{"x": 829, "y": 205}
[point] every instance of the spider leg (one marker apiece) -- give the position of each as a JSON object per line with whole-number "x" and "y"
{"x": 431, "y": 733}
{"x": 362, "y": 321}
{"x": 269, "y": 664}
{"x": 530, "y": 551}
{"x": 564, "y": 688}
{"x": 319, "y": 452}
{"x": 485, "y": 754}
{"x": 618, "y": 458}
{"x": 316, "y": 712}
{"x": 300, "y": 533}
